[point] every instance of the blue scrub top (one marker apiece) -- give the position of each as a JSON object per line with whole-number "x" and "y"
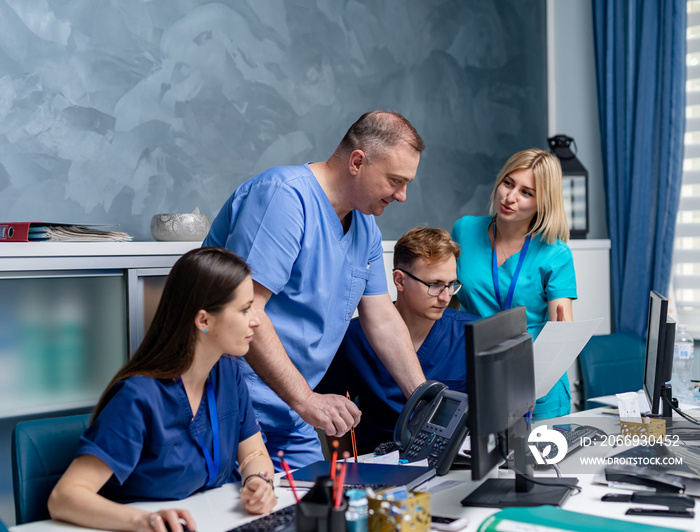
{"x": 357, "y": 370}
{"x": 282, "y": 223}
{"x": 147, "y": 437}
{"x": 547, "y": 273}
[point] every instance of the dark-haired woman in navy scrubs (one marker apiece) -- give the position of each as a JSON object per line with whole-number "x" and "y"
{"x": 177, "y": 418}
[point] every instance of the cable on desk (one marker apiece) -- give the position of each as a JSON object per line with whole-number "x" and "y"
{"x": 680, "y": 412}
{"x": 534, "y": 480}
{"x": 556, "y": 470}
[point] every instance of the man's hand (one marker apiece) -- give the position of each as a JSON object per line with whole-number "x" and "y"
{"x": 333, "y": 414}
{"x": 560, "y": 312}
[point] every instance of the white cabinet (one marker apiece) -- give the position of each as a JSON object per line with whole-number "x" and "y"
{"x": 70, "y": 314}
{"x": 592, "y": 265}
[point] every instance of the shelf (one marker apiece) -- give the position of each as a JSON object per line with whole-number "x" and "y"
{"x": 47, "y": 256}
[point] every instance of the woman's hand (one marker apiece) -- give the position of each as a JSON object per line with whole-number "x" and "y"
{"x": 258, "y": 496}
{"x": 156, "y": 521}
{"x": 560, "y": 309}
{"x": 257, "y": 493}
{"x": 560, "y": 313}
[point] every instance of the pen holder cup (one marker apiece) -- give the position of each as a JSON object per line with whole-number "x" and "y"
{"x": 409, "y": 515}
{"x": 656, "y": 429}
{"x": 315, "y": 512}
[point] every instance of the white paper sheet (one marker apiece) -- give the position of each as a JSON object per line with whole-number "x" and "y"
{"x": 556, "y": 348}
{"x": 391, "y": 458}
{"x": 644, "y": 403}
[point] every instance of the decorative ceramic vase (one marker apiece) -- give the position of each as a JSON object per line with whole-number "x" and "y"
{"x": 177, "y": 227}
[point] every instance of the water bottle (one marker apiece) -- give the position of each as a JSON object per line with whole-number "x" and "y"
{"x": 683, "y": 355}
{"x": 357, "y": 512}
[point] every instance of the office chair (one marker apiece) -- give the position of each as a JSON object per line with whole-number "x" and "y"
{"x": 42, "y": 449}
{"x": 610, "y": 364}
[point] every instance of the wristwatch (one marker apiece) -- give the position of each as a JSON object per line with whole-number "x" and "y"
{"x": 261, "y": 474}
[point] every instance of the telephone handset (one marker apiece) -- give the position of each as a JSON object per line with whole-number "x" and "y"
{"x": 432, "y": 425}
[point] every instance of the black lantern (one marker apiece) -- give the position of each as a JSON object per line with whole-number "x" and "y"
{"x": 574, "y": 185}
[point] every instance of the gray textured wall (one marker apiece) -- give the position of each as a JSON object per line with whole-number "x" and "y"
{"x": 112, "y": 111}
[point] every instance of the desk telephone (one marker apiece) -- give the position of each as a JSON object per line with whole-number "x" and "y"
{"x": 432, "y": 425}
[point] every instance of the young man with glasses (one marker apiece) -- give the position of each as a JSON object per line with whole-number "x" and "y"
{"x": 425, "y": 275}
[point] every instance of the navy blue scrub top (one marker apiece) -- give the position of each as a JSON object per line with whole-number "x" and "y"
{"x": 357, "y": 369}
{"x": 147, "y": 437}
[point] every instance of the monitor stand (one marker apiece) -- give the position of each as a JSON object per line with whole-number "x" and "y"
{"x": 503, "y": 493}
{"x": 518, "y": 492}
{"x": 666, "y": 401}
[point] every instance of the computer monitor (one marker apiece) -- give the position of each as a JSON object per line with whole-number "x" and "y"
{"x": 501, "y": 390}
{"x": 658, "y": 365}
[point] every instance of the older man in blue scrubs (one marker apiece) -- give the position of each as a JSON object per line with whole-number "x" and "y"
{"x": 309, "y": 235}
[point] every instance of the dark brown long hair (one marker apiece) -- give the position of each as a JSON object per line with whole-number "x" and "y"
{"x": 202, "y": 279}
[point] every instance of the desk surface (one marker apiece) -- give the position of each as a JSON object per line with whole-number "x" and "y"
{"x": 219, "y": 510}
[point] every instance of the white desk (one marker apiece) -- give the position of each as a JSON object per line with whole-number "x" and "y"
{"x": 216, "y": 510}
{"x": 219, "y": 510}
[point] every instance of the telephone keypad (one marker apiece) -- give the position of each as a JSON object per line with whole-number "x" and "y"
{"x": 423, "y": 440}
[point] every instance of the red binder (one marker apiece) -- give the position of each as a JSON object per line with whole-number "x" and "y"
{"x": 17, "y": 231}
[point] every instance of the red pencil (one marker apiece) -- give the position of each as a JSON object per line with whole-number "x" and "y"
{"x": 341, "y": 481}
{"x": 285, "y": 466}
{"x": 336, "y": 483}
{"x": 334, "y": 457}
{"x": 352, "y": 434}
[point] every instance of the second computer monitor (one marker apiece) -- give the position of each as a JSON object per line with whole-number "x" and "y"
{"x": 658, "y": 366}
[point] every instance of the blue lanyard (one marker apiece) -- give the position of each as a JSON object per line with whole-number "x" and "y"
{"x": 213, "y": 464}
{"x": 514, "y": 280}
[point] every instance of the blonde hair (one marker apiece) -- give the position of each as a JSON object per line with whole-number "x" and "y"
{"x": 431, "y": 244}
{"x": 550, "y": 220}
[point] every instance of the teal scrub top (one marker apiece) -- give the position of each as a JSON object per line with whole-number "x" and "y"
{"x": 547, "y": 273}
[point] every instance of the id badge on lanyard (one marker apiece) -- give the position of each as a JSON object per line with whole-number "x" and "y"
{"x": 213, "y": 463}
{"x": 514, "y": 280}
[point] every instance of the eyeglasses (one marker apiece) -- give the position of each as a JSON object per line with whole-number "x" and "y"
{"x": 435, "y": 289}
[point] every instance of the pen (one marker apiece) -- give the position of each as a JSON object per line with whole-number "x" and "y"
{"x": 352, "y": 434}
{"x": 285, "y": 466}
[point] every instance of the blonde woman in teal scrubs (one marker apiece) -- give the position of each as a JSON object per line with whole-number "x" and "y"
{"x": 519, "y": 257}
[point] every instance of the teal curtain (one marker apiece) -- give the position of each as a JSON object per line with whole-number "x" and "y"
{"x": 640, "y": 65}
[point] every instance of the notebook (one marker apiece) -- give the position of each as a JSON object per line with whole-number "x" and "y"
{"x": 364, "y": 474}
{"x": 549, "y": 518}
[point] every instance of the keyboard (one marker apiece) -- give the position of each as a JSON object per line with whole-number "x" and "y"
{"x": 573, "y": 437}
{"x": 374, "y": 487}
{"x": 281, "y": 520}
